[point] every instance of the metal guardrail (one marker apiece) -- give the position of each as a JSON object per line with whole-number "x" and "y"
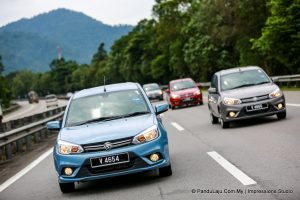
{"x": 22, "y": 139}
{"x": 287, "y": 78}
{"x": 13, "y": 124}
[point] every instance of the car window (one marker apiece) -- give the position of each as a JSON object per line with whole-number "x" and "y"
{"x": 108, "y": 104}
{"x": 151, "y": 87}
{"x": 243, "y": 79}
{"x": 181, "y": 85}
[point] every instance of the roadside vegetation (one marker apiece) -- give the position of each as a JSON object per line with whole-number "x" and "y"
{"x": 185, "y": 38}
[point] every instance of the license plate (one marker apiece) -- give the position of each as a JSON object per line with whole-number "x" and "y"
{"x": 257, "y": 107}
{"x": 187, "y": 99}
{"x": 109, "y": 160}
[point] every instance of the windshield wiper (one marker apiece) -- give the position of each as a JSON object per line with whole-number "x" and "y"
{"x": 260, "y": 83}
{"x": 241, "y": 86}
{"x": 136, "y": 114}
{"x": 100, "y": 119}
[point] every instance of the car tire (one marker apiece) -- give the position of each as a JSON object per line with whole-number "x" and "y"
{"x": 224, "y": 124}
{"x": 165, "y": 171}
{"x": 281, "y": 115}
{"x": 213, "y": 119}
{"x": 67, "y": 187}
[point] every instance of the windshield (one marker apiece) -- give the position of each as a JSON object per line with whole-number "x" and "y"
{"x": 104, "y": 106}
{"x": 182, "y": 85}
{"x": 243, "y": 79}
{"x": 151, "y": 87}
{"x": 51, "y": 97}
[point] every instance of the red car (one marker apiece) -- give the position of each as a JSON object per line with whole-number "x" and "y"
{"x": 183, "y": 92}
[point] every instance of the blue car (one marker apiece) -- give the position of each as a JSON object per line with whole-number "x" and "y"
{"x": 109, "y": 131}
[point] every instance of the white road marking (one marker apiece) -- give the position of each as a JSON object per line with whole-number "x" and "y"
{"x": 21, "y": 173}
{"x": 293, "y": 104}
{"x": 233, "y": 170}
{"x": 177, "y": 126}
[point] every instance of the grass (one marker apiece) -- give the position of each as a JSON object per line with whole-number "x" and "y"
{"x": 285, "y": 88}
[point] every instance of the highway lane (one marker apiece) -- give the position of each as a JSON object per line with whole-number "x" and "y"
{"x": 27, "y": 109}
{"x": 265, "y": 149}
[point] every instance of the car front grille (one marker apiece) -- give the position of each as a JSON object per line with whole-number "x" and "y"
{"x": 187, "y": 95}
{"x": 255, "y": 99}
{"x": 113, "y": 144}
{"x": 135, "y": 163}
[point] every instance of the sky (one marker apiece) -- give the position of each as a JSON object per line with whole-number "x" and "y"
{"x": 111, "y": 12}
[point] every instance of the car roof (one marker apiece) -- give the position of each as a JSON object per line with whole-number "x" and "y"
{"x": 238, "y": 69}
{"x": 180, "y": 80}
{"x": 51, "y": 95}
{"x": 109, "y": 88}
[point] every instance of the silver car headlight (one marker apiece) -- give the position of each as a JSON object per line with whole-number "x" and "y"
{"x": 65, "y": 148}
{"x": 275, "y": 94}
{"x": 146, "y": 136}
{"x": 231, "y": 101}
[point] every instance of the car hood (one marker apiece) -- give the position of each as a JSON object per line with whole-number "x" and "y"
{"x": 252, "y": 91}
{"x": 186, "y": 91}
{"x": 105, "y": 131}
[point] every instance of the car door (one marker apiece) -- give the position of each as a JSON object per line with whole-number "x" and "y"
{"x": 213, "y": 96}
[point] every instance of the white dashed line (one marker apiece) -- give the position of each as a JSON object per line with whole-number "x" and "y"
{"x": 233, "y": 170}
{"x": 177, "y": 126}
{"x": 293, "y": 104}
{"x": 21, "y": 173}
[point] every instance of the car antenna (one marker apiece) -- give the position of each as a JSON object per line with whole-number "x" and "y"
{"x": 104, "y": 84}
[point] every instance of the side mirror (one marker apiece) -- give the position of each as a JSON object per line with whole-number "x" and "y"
{"x": 212, "y": 90}
{"x": 161, "y": 108}
{"x": 53, "y": 126}
{"x": 167, "y": 91}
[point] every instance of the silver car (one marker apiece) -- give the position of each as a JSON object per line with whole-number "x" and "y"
{"x": 243, "y": 93}
{"x": 153, "y": 91}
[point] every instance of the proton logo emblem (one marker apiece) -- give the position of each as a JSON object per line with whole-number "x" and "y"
{"x": 107, "y": 146}
{"x": 254, "y": 98}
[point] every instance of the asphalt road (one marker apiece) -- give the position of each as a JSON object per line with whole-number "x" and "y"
{"x": 265, "y": 150}
{"x": 27, "y": 109}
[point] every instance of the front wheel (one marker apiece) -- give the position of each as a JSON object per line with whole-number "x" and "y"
{"x": 213, "y": 119}
{"x": 67, "y": 187}
{"x": 224, "y": 124}
{"x": 281, "y": 115}
{"x": 165, "y": 171}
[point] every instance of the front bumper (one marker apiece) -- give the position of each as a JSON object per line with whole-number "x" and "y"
{"x": 139, "y": 162}
{"x": 193, "y": 100}
{"x": 242, "y": 113}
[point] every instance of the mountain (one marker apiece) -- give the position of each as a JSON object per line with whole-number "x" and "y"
{"x": 32, "y": 43}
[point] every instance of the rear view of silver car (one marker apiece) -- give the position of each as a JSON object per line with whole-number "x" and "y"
{"x": 243, "y": 93}
{"x": 51, "y": 100}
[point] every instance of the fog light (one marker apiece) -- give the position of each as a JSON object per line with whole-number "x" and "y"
{"x": 231, "y": 114}
{"x": 154, "y": 157}
{"x": 279, "y": 106}
{"x": 68, "y": 171}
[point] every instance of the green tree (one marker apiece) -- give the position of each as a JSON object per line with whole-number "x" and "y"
{"x": 280, "y": 39}
{"x": 23, "y": 83}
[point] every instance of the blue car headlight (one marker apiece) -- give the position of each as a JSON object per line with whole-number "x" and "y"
{"x": 65, "y": 148}
{"x": 147, "y": 135}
